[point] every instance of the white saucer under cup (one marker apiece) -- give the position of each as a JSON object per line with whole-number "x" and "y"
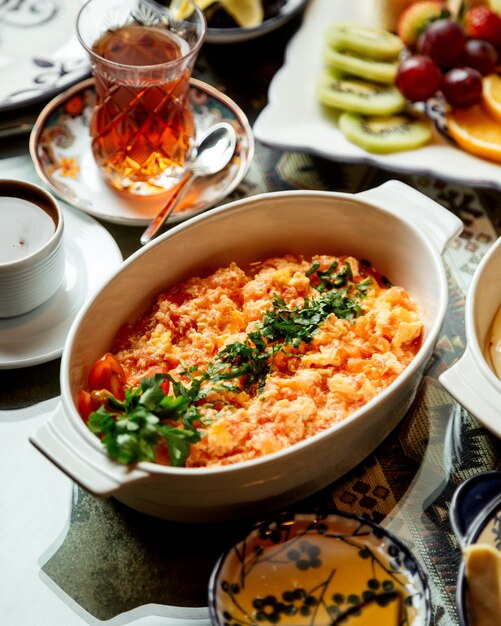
{"x": 90, "y": 255}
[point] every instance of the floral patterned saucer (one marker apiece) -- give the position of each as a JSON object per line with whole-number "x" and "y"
{"x": 318, "y": 570}
{"x": 60, "y": 148}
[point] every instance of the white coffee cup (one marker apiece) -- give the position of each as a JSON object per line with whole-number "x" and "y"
{"x": 31, "y": 251}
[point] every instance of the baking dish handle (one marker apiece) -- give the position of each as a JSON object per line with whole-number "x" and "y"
{"x": 467, "y": 385}
{"x": 439, "y": 225}
{"x": 85, "y": 464}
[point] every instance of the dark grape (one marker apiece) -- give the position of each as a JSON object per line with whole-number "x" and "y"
{"x": 480, "y": 55}
{"x": 418, "y": 78}
{"x": 462, "y": 87}
{"x": 443, "y": 41}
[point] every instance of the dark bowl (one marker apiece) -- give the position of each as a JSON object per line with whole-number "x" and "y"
{"x": 475, "y": 516}
{"x": 232, "y": 34}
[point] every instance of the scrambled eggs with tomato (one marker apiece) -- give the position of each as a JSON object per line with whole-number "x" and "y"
{"x": 332, "y": 366}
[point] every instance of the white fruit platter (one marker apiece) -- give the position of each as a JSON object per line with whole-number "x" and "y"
{"x": 294, "y": 119}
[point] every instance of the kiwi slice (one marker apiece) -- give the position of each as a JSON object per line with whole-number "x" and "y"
{"x": 357, "y": 95}
{"x": 357, "y": 65}
{"x": 383, "y": 134}
{"x": 369, "y": 41}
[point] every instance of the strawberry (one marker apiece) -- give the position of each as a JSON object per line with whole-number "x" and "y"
{"x": 416, "y": 17}
{"x": 483, "y": 23}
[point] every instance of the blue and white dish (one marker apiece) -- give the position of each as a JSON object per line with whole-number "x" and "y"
{"x": 318, "y": 569}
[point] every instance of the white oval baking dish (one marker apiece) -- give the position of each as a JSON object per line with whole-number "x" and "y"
{"x": 402, "y": 232}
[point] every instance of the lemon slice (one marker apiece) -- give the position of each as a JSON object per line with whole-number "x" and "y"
{"x": 183, "y": 9}
{"x": 246, "y": 13}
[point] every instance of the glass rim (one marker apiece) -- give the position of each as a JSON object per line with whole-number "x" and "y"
{"x": 141, "y": 68}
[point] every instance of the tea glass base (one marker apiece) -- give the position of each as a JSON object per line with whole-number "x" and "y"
{"x": 160, "y": 184}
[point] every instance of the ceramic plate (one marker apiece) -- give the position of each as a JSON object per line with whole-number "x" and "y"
{"x": 39, "y": 51}
{"x": 311, "y": 570}
{"x": 60, "y": 147}
{"x": 293, "y": 118}
{"x": 91, "y": 254}
{"x": 235, "y": 35}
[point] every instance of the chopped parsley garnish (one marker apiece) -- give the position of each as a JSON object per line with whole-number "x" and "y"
{"x": 314, "y": 267}
{"x": 132, "y": 429}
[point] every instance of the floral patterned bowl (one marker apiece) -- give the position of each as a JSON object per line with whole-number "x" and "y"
{"x": 319, "y": 571}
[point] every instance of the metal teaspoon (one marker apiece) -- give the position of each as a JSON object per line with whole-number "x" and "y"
{"x": 215, "y": 150}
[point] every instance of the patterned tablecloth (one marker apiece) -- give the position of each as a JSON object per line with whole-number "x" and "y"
{"x": 111, "y": 559}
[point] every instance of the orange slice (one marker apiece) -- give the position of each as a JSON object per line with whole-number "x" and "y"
{"x": 491, "y": 92}
{"x": 476, "y": 131}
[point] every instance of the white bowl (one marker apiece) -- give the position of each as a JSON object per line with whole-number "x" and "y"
{"x": 401, "y": 231}
{"x": 472, "y": 381}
